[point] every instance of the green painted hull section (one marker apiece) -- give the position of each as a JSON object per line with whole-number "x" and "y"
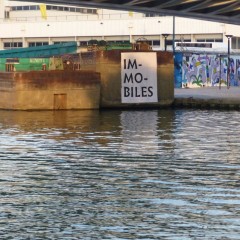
{"x": 26, "y": 64}
{"x": 40, "y": 51}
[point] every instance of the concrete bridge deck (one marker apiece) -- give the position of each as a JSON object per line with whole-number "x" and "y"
{"x": 210, "y": 97}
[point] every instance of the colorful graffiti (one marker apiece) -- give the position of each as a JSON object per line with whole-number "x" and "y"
{"x": 203, "y": 70}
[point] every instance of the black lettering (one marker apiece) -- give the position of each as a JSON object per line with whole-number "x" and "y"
{"x": 138, "y": 77}
{"x": 144, "y": 91}
{"x": 128, "y": 78}
{"x": 126, "y": 92}
{"x": 136, "y": 92}
{"x": 125, "y": 63}
{"x": 150, "y": 92}
{"x": 132, "y": 64}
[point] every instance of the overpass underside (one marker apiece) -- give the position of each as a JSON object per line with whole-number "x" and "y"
{"x": 227, "y": 11}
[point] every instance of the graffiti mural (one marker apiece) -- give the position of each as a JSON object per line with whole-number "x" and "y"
{"x": 178, "y": 70}
{"x": 205, "y": 70}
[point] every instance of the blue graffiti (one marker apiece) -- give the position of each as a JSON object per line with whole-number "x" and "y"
{"x": 200, "y": 70}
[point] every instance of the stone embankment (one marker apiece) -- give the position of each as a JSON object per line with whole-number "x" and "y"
{"x": 211, "y": 97}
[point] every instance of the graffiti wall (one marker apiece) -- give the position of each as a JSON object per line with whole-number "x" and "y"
{"x": 203, "y": 70}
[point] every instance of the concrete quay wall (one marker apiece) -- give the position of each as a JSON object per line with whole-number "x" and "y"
{"x": 208, "y": 98}
{"x": 49, "y": 90}
{"x": 108, "y": 64}
{"x": 97, "y": 85}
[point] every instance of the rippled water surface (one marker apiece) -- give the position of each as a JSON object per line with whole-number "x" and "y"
{"x": 168, "y": 174}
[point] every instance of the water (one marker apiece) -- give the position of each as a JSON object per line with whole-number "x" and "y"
{"x": 167, "y": 174}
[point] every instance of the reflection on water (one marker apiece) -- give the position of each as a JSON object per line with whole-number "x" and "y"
{"x": 167, "y": 174}
{"x": 139, "y": 132}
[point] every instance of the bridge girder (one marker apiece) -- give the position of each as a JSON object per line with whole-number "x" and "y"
{"x": 227, "y": 11}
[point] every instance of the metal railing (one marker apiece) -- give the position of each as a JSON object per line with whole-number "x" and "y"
{"x": 82, "y": 17}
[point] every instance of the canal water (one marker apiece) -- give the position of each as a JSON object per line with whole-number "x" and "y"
{"x": 167, "y": 174}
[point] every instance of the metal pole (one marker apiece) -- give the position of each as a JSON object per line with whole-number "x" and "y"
{"x": 228, "y": 46}
{"x": 220, "y": 72}
{"x": 165, "y": 35}
{"x": 173, "y": 41}
{"x": 228, "y": 70}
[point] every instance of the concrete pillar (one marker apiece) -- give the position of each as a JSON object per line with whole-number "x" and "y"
{"x": 193, "y": 38}
{"x": 162, "y": 42}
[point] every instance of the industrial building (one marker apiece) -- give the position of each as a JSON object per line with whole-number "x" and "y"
{"x": 25, "y": 24}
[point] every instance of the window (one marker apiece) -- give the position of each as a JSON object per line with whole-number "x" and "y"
{"x": 55, "y": 8}
{"x": 60, "y": 42}
{"x": 6, "y": 14}
{"x": 25, "y": 8}
{"x": 169, "y": 42}
{"x": 218, "y": 40}
{"x": 34, "y": 8}
{"x": 235, "y": 43}
{"x": 182, "y": 40}
{"x": 7, "y": 45}
{"x": 152, "y": 15}
{"x": 35, "y": 44}
{"x": 210, "y": 40}
{"x": 83, "y": 43}
{"x": 10, "y": 45}
{"x": 92, "y": 11}
{"x": 156, "y": 42}
{"x": 200, "y": 45}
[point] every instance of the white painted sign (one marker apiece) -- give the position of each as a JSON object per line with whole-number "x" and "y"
{"x": 139, "y": 77}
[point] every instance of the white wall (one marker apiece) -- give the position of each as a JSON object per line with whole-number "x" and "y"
{"x": 107, "y": 23}
{"x": 144, "y": 26}
{"x": 2, "y": 7}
